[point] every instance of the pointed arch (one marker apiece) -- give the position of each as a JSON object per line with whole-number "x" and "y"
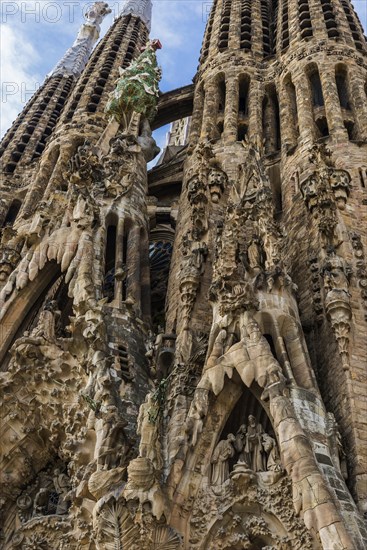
{"x": 17, "y": 316}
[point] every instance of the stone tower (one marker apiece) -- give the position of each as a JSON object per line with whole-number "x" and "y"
{"x": 184, "y": 350}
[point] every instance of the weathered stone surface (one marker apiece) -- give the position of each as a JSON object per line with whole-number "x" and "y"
{"x": 183, "y": 357}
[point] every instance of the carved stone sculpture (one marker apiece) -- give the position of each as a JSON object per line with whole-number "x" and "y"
{"x": 112, "y": 447}
{"x": 220, "y": 466}
{"x": 137, "y": 88}
{"x": 336, "y": 445}
{"x": 337, "y": 300}
{"x": 148, "y": 429}
{"x": 62, "y": 486}
{"x": 217, "y": 181}
{"x": 254, "y": 446}
{"x": 269, "y": 444}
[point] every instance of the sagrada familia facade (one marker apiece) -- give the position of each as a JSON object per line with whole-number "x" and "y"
{"x": 183, "y": 350}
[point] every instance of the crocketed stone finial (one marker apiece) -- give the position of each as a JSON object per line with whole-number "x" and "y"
{"x": 140, "y": 8}
{"x": 76, "y": 58}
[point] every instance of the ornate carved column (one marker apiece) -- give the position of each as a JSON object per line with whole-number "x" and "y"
{"x": 197, "y": 116}
{"x": 120, "y": 268}
{"x": 231, "y": 110}
{"x": 304, "y": 104}
{"x": 133, "y": 266}
{"x": 358, "y": 96}
{"x": 332, "y": 105}
{"x": 287, "y": 130}
{"x": 255, "y": 112}
{"x": 210, "y": 109}
{"x": 257, "y": 31}
{"x": 4, "y": 207}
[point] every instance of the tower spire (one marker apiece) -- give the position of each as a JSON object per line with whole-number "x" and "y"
{"x": 75, "y": 59}
{"x": 139, "y": 8}
{"x": 26, "y": 139}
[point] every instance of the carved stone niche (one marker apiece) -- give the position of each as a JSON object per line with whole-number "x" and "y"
{"x": 250, "y": 509}
{"x": 45, "y": 500}
{"x": 247, "y": 450}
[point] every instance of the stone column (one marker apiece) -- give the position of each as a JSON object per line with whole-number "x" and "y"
{"x": 332, "y": 105}
{"x": 287, "y": 119}
{"x": 234, "y": 26}
{"x": 210, "y": 109}
{"x": 213, "y": 46}
{"x": 231, "y": 110}
{"x": 197, "y": 116}
{"x": 305, "y": 111}
{"x": 294, "y": 28}
{"x": 317, "y": 20}
{"x": 145, "y": 278}
{"x": 257, "y": 29}
{"x": 358, "y": 97}
{"x": 256, "y": 94}
{"x": 133, "y": 266}
{"x": 120, "y": 269}
{"x": 4, "y": 207}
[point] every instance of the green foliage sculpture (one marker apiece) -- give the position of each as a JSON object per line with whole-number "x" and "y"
{"x": 137, "y": 88}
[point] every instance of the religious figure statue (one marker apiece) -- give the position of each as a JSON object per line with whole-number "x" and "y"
{"x": 254, "y": 446}
{"x": 250, "y": 357}
{"x": 336, "y": 275}
{"x": 46, "y": 323}
{"x": 275, "y": 382}
{"x": 197, "y": 413}
{"x": 336, "y": 445}
{"x": 41, "y": 501}
{"x": 220, "y": 466}
{"x": 62, "y": 486}
{"x": 258, "y": 350}
{"x": 273, "y": 463}
{"x": 240, "y": 443}
{"x": 254, "y": 253}
{"x": 148, "y": 430}
{"x": 112, "y": 444}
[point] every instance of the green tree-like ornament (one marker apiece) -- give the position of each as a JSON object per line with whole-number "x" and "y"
{"x": 137, "y": 88}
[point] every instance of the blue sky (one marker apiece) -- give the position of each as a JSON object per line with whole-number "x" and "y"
{"x": 35, "y": 35}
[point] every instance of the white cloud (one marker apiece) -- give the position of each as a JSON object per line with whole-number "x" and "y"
{"x": 19, "y": 81}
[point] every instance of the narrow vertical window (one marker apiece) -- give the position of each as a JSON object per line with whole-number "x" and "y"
{"x": 318, "y": 102}
{"x": 244, "y": 85}
{"x": 292, "y": 105}
{"x": 221, "y": 90}
{"x": 271, "y": 120}
{"x": 110, "y": 260}
{"x": 13, "y": 212}
{"x": 349, "y": 118}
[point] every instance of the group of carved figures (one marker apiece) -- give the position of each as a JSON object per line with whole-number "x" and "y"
{"x": 51, "y": 497}
{"x": 251, "y": 446}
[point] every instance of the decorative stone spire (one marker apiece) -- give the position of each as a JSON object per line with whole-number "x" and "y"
{"x": 139, "y": 8}
{"x": 75, "y": 59}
